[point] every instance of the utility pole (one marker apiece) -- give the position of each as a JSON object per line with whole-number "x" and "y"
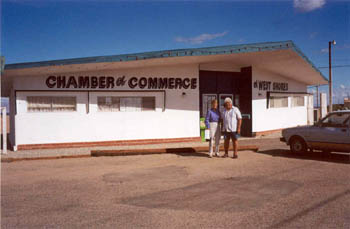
{"x": 330, "y": 75}
{"x": 317, "y": 96}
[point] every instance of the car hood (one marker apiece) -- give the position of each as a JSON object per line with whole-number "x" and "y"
{"x": 297, "y": 128}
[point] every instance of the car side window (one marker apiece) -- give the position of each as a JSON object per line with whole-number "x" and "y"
{"x": 347, "y": 122}
{"x": 336, "y": 120}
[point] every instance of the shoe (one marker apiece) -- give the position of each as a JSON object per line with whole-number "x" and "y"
{"x": 218, "y": 155}
{"x": 225, "y": 155}
{"x": 235, "y": 157}
{"x": 210, "y": 155}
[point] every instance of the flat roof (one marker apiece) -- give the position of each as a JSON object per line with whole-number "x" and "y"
{"x": 228, "y": 49}
{"x": 281, "y": 58}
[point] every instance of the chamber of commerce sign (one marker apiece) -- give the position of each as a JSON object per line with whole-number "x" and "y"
{"x": 109, "y": 82}
{"x": 270, "y": 86}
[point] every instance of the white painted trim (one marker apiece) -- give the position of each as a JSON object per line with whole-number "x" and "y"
{"x": 4, "y": 130}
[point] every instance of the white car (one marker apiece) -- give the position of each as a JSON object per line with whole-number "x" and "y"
{"x": 332, "y": 133}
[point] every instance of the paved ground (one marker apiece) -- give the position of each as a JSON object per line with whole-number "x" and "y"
{"x": 269, "y": 189}
{"x": 81, "y": 151}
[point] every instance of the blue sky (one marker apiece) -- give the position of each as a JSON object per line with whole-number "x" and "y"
{"x": 41, "y": 30}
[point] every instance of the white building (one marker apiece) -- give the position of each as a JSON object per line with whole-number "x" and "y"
{"x": 156, "y": 96}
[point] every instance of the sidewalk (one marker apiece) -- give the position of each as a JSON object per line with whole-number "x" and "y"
{"x": 244, "y": 142}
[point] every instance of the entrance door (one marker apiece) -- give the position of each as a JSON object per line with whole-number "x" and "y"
{"x": 235, "y": 85}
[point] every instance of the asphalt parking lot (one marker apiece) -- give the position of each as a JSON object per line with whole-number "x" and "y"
{"x": 271, "y": 188}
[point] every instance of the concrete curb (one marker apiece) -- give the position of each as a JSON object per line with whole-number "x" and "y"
{"x": 200, "y": 151}
{"x": 14, "y": 159}
{"x": 185, "y": 150}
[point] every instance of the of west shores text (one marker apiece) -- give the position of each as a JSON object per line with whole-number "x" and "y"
{"x": 103, "y": 82}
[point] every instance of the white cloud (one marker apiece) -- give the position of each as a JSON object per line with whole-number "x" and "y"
{"x": 313, "y": 35}
{"x": 342, "y": 86}
{"x": 308, "y": 5}
{"x": 201, "y": 38}
{"x": 342, "y": 47}
{"x": 325, "y": 50}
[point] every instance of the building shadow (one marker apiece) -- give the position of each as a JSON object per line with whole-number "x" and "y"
{"x": 315, "y": 156}
{"x": 187, "y": 152}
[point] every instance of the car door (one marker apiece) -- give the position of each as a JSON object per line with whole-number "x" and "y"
{"x": 331, "y": 133}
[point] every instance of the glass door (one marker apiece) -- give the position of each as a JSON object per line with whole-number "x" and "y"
{"x": 206, "y": 102}
{"x": 222, "y": 98}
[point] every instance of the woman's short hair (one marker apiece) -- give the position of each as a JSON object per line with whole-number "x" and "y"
{"x": 228, "y": 100}
{"x": 213, "y": 101}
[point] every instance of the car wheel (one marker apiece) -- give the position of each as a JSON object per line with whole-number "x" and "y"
{"x": 298, "y": 145}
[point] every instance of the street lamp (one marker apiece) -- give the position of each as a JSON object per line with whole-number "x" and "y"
{"x": 330, "y": 75}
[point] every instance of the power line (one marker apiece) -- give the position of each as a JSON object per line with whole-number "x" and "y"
{"x": 338, "y": 66}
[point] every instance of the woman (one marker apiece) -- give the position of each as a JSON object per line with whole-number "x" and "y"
{"x": 212, "y": 123}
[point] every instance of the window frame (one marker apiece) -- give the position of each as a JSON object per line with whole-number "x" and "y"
{"x": 344, "y": 124}
{"x": 142, "y": 108}
{"x": 288, "y": 95}
{"x": 159, "y": 101}
{"x": 278, "y": 97}
{"x": 297, "y": 97}
{"x": 52, "y": 109}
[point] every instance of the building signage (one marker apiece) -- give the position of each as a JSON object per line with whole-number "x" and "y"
{"x": 270, "y": 86}
{"x": 109, "y": 82}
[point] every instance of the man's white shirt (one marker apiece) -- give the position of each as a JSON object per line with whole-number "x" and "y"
{"x": 230, "y": 119}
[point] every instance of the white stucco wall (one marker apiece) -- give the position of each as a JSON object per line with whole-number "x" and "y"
{"x": 265, "y": 119}
{"x": 180, "y": 118}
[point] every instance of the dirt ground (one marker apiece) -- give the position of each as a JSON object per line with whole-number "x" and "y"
{"x": 271, "y": 188}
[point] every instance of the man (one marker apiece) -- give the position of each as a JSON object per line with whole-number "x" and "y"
{"x": 232, "y": 121}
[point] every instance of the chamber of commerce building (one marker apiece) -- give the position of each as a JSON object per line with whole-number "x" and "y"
{"x": 156, "y": 96}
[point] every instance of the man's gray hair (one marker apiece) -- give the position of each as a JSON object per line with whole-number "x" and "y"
{"x": 228, "y": 100}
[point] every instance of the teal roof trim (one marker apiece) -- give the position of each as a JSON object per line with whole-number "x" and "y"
{"x": 302, "y": 55}
{"x": 243, "y": 48}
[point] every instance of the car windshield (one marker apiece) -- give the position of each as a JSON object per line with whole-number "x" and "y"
{"x": 336, "y": 120}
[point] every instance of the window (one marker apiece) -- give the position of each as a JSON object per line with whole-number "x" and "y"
{"x": 113, "y": 103}
{"x": 148, "y": 103}
{"x": 276, "y": 102}
{"x": 108, "y": 103}
{"x": 298, "y": 101}
{"x": 51, "y": 103}
{"x": 130, "y": 103}
{"x": 336, "y": 120}
{"x": 206, "y": 103}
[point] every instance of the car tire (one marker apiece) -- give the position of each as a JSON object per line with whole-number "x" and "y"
{"x": 298, "y": 145}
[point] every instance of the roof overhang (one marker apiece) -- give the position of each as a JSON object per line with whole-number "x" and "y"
{"x": 282, "y": 58}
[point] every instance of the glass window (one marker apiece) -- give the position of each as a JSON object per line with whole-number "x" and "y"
{"x": 222, "y": 98}
{"x": 276, "y": 102}
{"x": 113, "y": 103}
{"x": 236, "y": 102}
{"x": 336, "y": 120}
{"x": 206, "y": 103}
{"x": 298, "y": 101}
{"x": 130, "y": 103}
{"x": 148, "y": 103}
{"x": 51, "y": 103}
{"x": 106, "y": 103}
